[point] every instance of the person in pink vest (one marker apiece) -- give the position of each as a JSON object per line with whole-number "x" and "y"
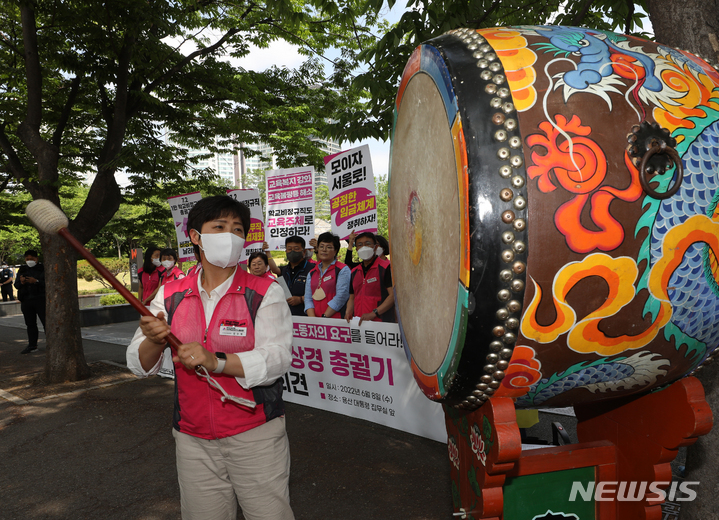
{"x": 149, "y": 275}
{"x": 168, "y": 259}
{"x": 327, "y": 287}
{"x": 371, "y": 293}
{"x": 236, "y": 335}
{"x": 258, "y": 264}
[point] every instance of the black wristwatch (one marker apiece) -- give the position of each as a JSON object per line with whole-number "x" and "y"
{"x": 221, "y": 361}
{"x": 376, "y": 313}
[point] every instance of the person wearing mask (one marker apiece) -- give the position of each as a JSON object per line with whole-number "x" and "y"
{"x": 168, "y": 260}
{"x": 6, "y": 279}
{"x": 382, "y": 247}
{"x": 30, "y": 285}
{"x": 371, "y": 294}
{"x": 295, "y": 273}
{"x": 328, "y": 289}
{"x": 258, "y": 265}
{"x": 228, "y": 424}
{"x": 310, "y": 254}
{"x": 149, "y": 275}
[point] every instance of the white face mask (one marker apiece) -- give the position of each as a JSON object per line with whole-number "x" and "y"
{"x": 365, "y": 253}
{"x": 156, "y": 262}
{"x": 31, "y": 263}
{"x": 167, "y": 264}
{"x": 379, "y": 251}
{"x": 222, "y": 249}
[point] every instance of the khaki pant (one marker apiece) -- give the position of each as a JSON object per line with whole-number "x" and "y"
{"x": 252, "y": 468}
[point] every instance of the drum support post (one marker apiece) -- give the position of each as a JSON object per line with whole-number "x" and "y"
{"x": 632, "y": 441}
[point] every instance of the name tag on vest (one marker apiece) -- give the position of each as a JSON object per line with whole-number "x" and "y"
{"x": 326, "y": 278}
{"x": 370, "y": 280}
{"x": 233, "y": 328}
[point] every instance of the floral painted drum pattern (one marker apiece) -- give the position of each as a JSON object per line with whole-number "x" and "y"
{"x": 580, "y": 217}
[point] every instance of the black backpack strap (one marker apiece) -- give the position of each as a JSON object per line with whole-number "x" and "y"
{"x": 253, "y": 300}
{"x": 172, "y": 302}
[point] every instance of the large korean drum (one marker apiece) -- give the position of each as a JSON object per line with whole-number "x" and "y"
{"x": 553, "y": 215}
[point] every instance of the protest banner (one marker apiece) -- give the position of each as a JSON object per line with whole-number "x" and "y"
{"x": 359, "y": 371}
{"x": 290, "y": 205}
{"x": 255, "y": 236}
{"x": 180, "y": 206}
{"x": 352, "y": 192}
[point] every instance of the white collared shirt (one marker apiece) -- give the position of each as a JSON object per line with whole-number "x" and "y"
{"x": 263, "y": 365}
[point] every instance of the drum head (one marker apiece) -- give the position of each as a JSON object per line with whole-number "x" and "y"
{"x": 427, "y": 222}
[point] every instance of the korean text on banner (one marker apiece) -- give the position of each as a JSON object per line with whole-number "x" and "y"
{"x": 290, "y": 205}
{"x": 255, "y": 236}
{"x": 180, "y": 207}
{"x": 360, "y": 372}
{"x": 352, "y": 192}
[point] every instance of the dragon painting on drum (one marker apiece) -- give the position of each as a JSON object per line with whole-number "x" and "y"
{"x": 553, "y": 215}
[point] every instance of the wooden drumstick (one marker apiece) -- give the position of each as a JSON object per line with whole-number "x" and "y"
{"x": 50, "y": 219}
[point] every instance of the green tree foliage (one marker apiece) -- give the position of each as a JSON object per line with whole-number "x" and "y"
{"x": 374, "y": 89}
{"x": 255, "y": 179}
{"x": 100, "y": 87}
{"x": 116, "y": 266}
{"x": 322, "y": 202}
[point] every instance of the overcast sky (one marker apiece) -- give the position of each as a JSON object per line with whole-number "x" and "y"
{"x": 282, "y": 53}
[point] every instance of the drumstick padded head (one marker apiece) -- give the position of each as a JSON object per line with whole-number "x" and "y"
{"x": 46, "y": 216}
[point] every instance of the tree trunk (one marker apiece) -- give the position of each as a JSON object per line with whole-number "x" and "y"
{"x": 65, "y": 358}
{"x": 691, "y": 25}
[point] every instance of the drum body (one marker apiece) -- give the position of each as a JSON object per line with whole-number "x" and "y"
{"x": 547, "y": 243}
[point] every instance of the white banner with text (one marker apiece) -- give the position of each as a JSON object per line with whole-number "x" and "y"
{"x": 255, "y": 236}
{"x": 180, "y": 206}
{"x": 290, "y": 205}
{"x": 359, "y": 371}
{"x": 350, "y": 180}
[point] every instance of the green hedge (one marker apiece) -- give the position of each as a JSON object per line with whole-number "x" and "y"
{"x": 103, "y": 290}
{"x": 112, "y": 299}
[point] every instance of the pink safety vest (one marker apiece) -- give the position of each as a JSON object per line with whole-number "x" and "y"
{"x": 198, "y": 409}
{"x": 368, "y": 289}
{"x": 150, "y": 281}
{"x": 174, "y": 274}
{"x": 328, "y": 284}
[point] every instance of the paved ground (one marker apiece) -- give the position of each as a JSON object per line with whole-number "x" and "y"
{"x": 103, "y": 448}
{"x": 108, "y": 453}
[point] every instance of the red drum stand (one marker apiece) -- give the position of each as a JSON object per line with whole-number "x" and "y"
{"x": 624, "y": 450}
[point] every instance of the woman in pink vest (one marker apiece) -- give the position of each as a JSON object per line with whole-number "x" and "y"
{"x": 236, "y": 335}
{"x": 371, "y": 293}
{"x": 149, "y": 275}
{"x": 258, "y": 264}
{"x": 168, "y": 258}
{"x": 327, "y": 287}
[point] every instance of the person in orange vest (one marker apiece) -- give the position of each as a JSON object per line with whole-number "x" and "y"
{"x": 371, "y": 293}
{"x": 168, "y": 259}
{"x": 328, "y": 289}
